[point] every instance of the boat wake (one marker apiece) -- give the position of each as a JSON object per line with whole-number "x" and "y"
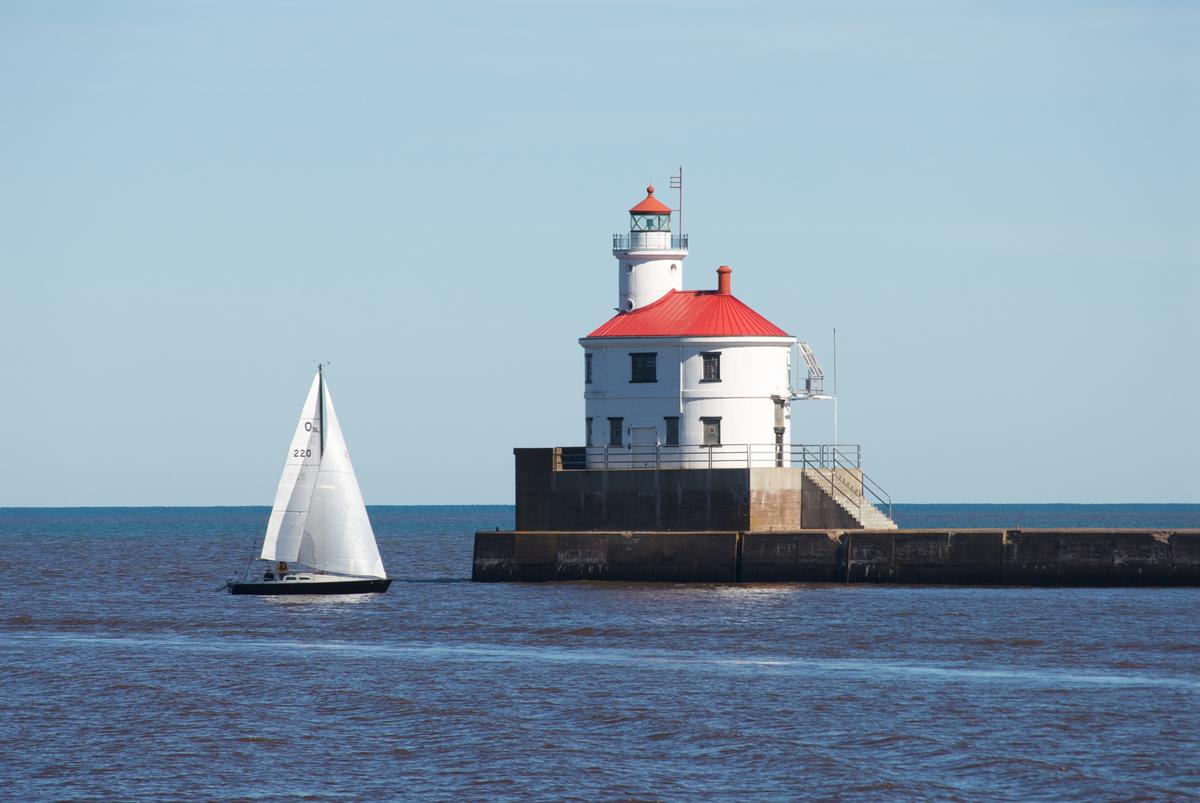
{"x": 861, "y": 669}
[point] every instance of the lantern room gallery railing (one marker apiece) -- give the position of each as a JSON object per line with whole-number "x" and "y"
{"x": 641, "y": 240}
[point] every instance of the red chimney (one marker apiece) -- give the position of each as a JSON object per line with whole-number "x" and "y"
{"x": 723, "y": 279}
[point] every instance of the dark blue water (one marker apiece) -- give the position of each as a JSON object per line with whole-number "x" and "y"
{"x": 127, "y": 676}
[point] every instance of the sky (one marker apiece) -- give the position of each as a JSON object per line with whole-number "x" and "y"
{"x": 997, "y": 205}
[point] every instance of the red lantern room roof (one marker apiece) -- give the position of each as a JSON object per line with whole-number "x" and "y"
{"x": 651, "y": 205}
{"x": 691, "y": 313}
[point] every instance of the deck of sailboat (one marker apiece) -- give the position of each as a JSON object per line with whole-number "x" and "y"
{"x": 312, "y": 583}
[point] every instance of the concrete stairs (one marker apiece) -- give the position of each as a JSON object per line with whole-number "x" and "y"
{"x": 848, "y": 495}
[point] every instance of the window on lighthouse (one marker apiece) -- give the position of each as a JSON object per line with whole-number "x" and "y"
{"x": 712, "y": 366}
{"x": 587, "y": 369}
{"x": 615, "y": 428}
{"x": 643, "y": 367}
{"x": 712, "y": 431}
{"x": 672, "y": 425}
{"x": 644, "y": 222}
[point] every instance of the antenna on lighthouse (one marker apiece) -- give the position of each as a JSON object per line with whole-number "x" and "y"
{"x": 677, "y": 184}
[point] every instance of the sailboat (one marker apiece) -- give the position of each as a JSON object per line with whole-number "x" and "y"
{"x": 319, "y": 520}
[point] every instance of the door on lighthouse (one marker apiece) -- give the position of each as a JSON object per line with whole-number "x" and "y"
{"x": 644, "y": 446}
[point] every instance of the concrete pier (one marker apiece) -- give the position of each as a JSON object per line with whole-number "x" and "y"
{"x": 1060, "y": 557}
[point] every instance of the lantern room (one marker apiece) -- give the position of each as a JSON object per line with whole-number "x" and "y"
{"x": 650, "y": 215}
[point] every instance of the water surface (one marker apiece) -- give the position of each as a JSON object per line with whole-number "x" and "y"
{"x": 127, "y": 676}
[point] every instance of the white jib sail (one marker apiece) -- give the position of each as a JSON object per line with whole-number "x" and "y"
{"x": 338, "y": 535}
{"x": 285, "y": 528}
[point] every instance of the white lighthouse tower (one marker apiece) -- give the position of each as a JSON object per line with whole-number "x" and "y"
{"x": 649, "y": 258}
{"x": 682, "y": 378}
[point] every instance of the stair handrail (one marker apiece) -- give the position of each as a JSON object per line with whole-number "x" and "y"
{"x": 870, "y": 486}
{"x": 879, "y": 493}
{"x": 852, "y": 492}
{"x": 834, "y": 488}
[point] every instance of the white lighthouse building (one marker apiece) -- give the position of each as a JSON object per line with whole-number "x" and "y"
{"x": 682, "y": 378}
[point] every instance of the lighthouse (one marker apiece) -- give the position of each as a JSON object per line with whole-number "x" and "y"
{"x": 687, "y": 470}
{"x": 689, "y": 474}
{"x": 682, "y": 378}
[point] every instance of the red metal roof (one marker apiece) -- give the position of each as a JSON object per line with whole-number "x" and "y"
{"x": 691, "y": 313}
{"x": 651, "y": 205}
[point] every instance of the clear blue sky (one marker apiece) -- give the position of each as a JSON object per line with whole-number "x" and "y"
{"x": 996, "y": 204}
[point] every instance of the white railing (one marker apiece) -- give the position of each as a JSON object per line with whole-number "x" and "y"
{"x": 839, "y": 465}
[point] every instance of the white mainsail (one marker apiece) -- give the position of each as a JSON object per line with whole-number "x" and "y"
{"x": 286, "y": 525}
{"x": 338, "y": 535}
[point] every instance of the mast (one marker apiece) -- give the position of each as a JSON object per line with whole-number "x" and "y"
{"x": 321, "y": 404}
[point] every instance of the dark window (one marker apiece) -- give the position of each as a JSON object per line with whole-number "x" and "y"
{"x": 615, "y": 426}
{"x": 588, "y": 434}
{"x": 712, "y": 431}
{"x": 712, "y": 366}
{"x": 672, "y": 423}
{"x": 643, "y": 367}
{"x": 587, "y": 369}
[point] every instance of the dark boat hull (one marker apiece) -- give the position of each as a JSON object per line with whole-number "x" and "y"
{"x": 373, "y": 586}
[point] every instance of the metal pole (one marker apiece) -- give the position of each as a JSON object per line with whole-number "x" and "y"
{"x": 681, "y": 205}
{"x": 835, "y": 393}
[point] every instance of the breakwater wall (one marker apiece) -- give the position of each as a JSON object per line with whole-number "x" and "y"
{"x": 1066, "y": 557}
